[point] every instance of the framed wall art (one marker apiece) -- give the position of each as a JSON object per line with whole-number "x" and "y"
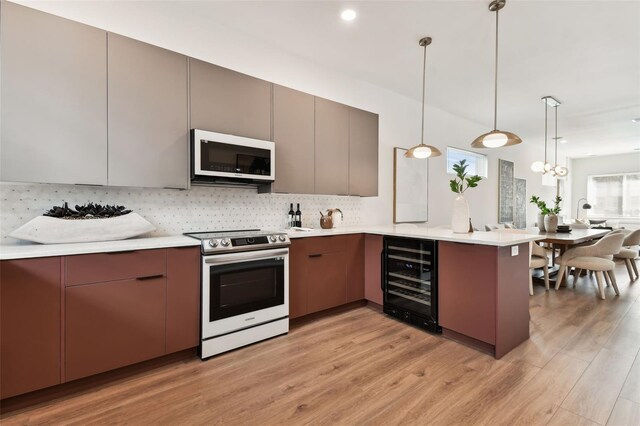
{"x": 506, "y": 193}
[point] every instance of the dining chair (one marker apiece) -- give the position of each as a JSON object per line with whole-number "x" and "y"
{"x": 579, "y": 225}
{"x": 538, "y": 259}
{"x": 596, "y": 258}
{"x": 629, "y": 252}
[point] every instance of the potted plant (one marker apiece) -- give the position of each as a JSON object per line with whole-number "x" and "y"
{"x": 460, "y": 221}
{"x": 547, "y": 217}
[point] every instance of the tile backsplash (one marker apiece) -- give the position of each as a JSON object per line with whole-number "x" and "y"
{"x": 174, "y": 211}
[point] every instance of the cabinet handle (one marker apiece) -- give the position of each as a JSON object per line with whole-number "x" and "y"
{"x": 150, "y": 277}
{"x": 120, "y": 252}
{"x": 315, "y": 255}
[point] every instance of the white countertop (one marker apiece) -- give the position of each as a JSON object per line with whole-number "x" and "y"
{"x": 25, "y": 251}
{"x": 494, "y": 238}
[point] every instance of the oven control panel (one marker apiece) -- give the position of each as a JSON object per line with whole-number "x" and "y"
{"x": 244, "y": 243}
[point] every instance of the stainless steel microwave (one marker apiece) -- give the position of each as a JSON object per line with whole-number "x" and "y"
{"x": 218, "y": 157}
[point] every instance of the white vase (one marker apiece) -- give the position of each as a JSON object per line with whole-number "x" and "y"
{"x": 551, "y": 222}
{"x": 540, "y": 222}
{"x": 460, "y": 217}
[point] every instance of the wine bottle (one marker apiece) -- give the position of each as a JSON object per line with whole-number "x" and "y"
{"x": 298, "y": 216}
{"x": 291, "y": 220}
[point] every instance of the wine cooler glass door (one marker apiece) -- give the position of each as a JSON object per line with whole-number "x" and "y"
{"x": 410, "y": 275}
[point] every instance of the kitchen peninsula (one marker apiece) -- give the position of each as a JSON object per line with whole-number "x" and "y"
{"x": 483, "y": 294}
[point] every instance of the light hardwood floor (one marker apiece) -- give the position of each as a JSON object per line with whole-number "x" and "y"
{"x": 581, "y": 367}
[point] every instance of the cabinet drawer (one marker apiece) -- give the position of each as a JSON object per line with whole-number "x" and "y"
{"x": 93, "y": 268}
{"x": 322, "y": 245}
{"x": 114, "y": 324}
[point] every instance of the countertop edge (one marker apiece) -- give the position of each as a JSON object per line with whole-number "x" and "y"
{"x": 498, "y": 239}
{"x": 30, "y": 251}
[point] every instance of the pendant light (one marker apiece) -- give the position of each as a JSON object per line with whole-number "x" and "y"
{"x": 558, "y": 170}
{"x": 422, "y": 150}
{"x": 539, "y": 166}
{"x": 553, "y": 169}
{"x": 496, "y": 138}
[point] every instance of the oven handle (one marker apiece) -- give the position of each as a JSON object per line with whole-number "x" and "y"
{"x": 233, "y": 257}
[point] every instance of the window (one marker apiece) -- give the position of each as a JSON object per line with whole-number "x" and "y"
{"x": 614, "y": 195}
{"x": 478, "y": 164}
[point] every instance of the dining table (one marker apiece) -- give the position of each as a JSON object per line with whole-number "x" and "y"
{"x": 563, "y": 241}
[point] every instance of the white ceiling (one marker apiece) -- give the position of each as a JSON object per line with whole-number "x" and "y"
{"x": 584, "y": 53}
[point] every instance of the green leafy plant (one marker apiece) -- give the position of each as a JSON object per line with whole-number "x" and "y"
{"x": 458, "y": 185}
{"x": 544, "y": 209}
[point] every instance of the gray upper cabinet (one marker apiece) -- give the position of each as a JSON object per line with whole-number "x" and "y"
{"x": 148, "y": 119}
{"x": 226, "y": 101}
{"x": 332, "y": 148}
{"x": 54, "y": 99}
{"x": 293, "y": 134}
{"x": 363, "y": 153}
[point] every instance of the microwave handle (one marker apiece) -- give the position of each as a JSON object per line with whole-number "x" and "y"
{"x": 240, "y": 257}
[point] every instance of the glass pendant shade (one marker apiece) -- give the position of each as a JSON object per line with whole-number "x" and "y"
{"x": 537, "y": 166}
{"x": 561, "y": 171}
{"x": 496, "y": 139}
{"x": 547, "y": 168}
{"x": 422, "y": 151}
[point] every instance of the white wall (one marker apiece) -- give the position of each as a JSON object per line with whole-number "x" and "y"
{"x": 399, "y": 116}
{"x": 581, "y": 168}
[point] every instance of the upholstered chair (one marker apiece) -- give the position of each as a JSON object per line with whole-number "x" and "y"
{"x": 629, "y": 252}
{"x": 538, "y": 259}
{"x": 596, "y": 258}
{"x": 579, "y": 225}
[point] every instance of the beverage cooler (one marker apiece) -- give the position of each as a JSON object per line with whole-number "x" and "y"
{"x": 410, "y": 281}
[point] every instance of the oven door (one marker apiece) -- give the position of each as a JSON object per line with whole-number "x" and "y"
{"x": 241, "y": 290}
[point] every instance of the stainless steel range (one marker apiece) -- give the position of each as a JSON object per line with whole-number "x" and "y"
{"x": 245, "y": 288}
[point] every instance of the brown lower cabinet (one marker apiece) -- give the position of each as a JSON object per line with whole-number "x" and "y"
{"x": 325, "y": 272}
{"x": 326, "y": 280}
{"x": 484, "y": 299}
{"x": 113, "y": 324}
{"x": 183, "y": 298}
{"x": 373, "y": 245}
{"x": 30, "y": 295}
{"x": 55, "y": 329}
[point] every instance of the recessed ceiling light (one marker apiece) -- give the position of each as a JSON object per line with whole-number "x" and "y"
{"x": 563, "y": 141}
{"x": 348, "y": 15}
{"x": 591, "y": 155}
{"x": 636, "y": 120}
